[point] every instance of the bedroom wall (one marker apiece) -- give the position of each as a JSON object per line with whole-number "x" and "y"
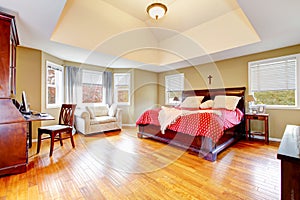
{"x": 234, "y": 73}
{"x": 28, "y": 79}
{"x": 145, "y": 91}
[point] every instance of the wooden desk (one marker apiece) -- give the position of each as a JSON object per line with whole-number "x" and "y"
{"x": 262, "y": 117}
{"x": 289, "y": 154}
{"x": 32, "y": 118}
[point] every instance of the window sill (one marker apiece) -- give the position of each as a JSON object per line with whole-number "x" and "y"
{"x": 282, "y": 108}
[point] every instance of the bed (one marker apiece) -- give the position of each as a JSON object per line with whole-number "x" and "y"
{"x": 208, "y": 142}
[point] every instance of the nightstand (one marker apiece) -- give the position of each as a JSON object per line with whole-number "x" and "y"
{"x": 261, "y": 116}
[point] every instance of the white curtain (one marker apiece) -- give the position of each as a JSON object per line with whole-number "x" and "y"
{"x": 108, "y": 89}
{"x": 73, "y": 77}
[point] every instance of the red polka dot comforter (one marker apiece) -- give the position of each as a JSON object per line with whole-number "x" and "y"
{"x": 208, "y": 124}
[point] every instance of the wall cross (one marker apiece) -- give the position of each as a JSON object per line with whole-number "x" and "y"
{"x": 209, "y": 79}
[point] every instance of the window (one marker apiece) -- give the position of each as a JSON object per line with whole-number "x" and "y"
{"x": 122, "y": 88}
{"x": 274, "y": 81}
{"x": 92, "y": 87}
{"x": 55, "y": 85}
{"x": 174, "y": 85}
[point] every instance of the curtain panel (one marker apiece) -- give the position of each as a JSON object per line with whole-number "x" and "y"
{"x": 73, "y": 81}
{"x": 108, "y": 88}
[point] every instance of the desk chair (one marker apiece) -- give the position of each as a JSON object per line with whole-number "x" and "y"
{"x": 66, "y": 122}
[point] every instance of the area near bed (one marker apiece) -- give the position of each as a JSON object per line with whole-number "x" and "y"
{"x": 207, "y": 121}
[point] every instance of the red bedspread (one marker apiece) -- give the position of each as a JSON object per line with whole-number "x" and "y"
{"x": 209, "y": 125}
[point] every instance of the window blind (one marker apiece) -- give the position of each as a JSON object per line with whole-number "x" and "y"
{"x": 121, "y": 79}
{"x": 92, "y": 77}
{"x": 174, "y": 82}
{"x": 279, "y": 74}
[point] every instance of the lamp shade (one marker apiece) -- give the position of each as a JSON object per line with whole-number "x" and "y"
{"x": 157, "y": 10}
{"x": 175, "y": 99}
{"x": 250, "y": 98}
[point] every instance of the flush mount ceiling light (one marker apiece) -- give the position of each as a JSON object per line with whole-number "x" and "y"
{"x": 157, "y": 10}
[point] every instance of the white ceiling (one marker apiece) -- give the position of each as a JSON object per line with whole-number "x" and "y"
{"x": 120, "y": 34}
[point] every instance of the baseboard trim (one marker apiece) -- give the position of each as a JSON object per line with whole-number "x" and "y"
{"x": 129, "y": 125}
{"x": 270, "y": 139}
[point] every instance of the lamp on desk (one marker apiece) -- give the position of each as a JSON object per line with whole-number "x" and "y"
{"x": 250, "y": 99}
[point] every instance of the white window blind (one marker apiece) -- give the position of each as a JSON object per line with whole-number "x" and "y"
{"x": 174, "y": 82}
{"x": 174, "y": 85}
{"x": 122, "y": 79}
{"x": 275, "y": 74}
{"x": 92, "y": 77}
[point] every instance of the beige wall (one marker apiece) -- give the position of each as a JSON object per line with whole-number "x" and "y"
{"x": 28, "y": 76}
{"x": 145, "y": 92}
{"x": 233, "y": 73}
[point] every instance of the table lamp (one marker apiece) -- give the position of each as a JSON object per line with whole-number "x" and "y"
{"x": 176, "y": 100}
{"x": 250, "y": 99}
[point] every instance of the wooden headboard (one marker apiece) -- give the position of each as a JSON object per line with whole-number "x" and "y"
{"x": 211, "y": 93}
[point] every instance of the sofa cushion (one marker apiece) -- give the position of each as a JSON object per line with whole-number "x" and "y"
{"x": 101, "y": 110}
{"x": 103, "y": 120}
{"x": 97, "y": 111}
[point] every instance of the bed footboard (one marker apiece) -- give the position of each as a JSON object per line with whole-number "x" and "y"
{"x": 204, "y": 147}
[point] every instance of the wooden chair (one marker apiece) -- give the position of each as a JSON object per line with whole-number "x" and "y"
{"x": 65, "y": 127}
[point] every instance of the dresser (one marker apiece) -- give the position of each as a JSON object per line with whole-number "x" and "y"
{"x": 289, "y": 154}
{"x": 13, "y": 137}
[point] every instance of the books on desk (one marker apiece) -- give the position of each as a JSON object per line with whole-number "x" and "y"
{"x": 35, "y": 115}
{"x": 43, "y": 114}
{"x": 40, "y": 114}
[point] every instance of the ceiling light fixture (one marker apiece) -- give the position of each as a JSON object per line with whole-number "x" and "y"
{"x": 157, "y": 10}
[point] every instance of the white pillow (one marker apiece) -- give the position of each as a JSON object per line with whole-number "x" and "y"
{"x": 112, "y": 110}
{"x": 91, "y": 111}
{"x": 192, "y": 102}
{"x": 228, "y": 102}
{"x": 207, "y": 104}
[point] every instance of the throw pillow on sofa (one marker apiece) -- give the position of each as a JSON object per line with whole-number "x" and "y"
{"x": 112, "y": 110}
{"x": 92, "y": 114}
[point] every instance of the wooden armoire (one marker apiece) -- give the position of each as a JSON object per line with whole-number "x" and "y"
{"x": 13, "y": 127}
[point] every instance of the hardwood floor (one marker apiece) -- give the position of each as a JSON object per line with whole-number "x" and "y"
{"x": 118, "y": 165}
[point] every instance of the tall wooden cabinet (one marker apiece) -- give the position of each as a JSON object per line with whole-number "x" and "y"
{"x": 13, "y": 137}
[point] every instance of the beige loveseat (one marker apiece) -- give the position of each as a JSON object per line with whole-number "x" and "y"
{"x": 97, "y": 119}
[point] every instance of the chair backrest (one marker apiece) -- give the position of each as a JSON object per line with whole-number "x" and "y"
{"x": 66, "y": 116}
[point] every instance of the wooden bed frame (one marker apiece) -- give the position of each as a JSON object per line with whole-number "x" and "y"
{"x": 204, "y": 147}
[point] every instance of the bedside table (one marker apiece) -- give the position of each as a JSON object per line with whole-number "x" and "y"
{"x": 260, "y": 116}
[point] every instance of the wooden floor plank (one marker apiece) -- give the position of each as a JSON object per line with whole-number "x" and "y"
{"x": 118, "y": 165}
